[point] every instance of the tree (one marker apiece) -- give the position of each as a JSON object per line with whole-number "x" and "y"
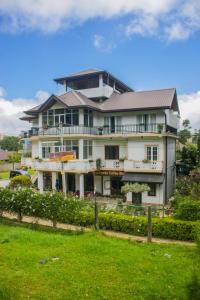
{"x": 14, "y": 158}
{"x": 134, "y": 188}
{"x": 10, "y": 143}
{"x": 190, "y": 156}
{"x": 185, "y": 133}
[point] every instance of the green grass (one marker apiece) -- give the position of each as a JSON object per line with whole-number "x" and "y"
{"x": 4, "y": 174}
{"x": 90, "y": 266}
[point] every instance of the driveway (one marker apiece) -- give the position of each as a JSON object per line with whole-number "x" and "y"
{"x": 4, "y": 182}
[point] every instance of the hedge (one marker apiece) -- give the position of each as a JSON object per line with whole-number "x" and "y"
{"x": 60, "y": 208}
{"x": 162, "y": 227}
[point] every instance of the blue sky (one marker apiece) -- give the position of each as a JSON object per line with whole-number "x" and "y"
{"x": 147, "y": 44}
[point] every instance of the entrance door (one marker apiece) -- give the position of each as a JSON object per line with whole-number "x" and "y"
{"x": 137, "y": 198}
{"x": 112, "y": 124}
{"x": 71, "y": 182}
{"x": 116, "y": 185}
{"x": 88, "y": 182}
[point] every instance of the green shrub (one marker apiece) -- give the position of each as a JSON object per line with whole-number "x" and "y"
{"x": 60, "y": 208}
{"x": 188, "y": 210}
{"x": 20, "y": 180}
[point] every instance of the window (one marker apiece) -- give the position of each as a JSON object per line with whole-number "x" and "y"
{"x": 146, "y": 122}
{"x": 113, "y": 124}
{"x": 111, "y": 152}
{"x": 72, "y": 117}
{"x": 152, "y": 153}
{"x": 50, "y": 147}
{"x": 71, "y": 145}
{"x": 88, "y": 117}
{"x": 87, "y": 149}
{"x": 152, "y": 191}
{"x": 55, "y": 117}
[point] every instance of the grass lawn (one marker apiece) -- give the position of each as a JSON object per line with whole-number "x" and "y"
{"x": 90, "y": 266}
{"x": 4, "y": 174}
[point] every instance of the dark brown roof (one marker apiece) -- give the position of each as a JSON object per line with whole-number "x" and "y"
{"x": 4, "y": 155}
{"x": 156, "y": 99}
{"x": 138, "y": 100}
{"x": 146, "y": 178}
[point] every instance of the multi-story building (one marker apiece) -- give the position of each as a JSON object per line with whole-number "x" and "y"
{"x": 101, "y": 133}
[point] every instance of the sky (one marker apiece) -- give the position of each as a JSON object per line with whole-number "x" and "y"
{"x": 148, "y": 44}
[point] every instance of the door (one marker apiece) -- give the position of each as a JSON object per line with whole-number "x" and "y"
{"x": 116, "y": 185}
{"x": 71, "y": 183}
{"x": 137, "y": 198}
{"x": 112, "y": 124}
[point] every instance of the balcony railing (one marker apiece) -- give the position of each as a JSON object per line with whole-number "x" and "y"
{"x": 112, "y": 164}
{"x": 70, "y": 166}
{"x": 138, "y": 165}
{"x": 103, "y": 130}
{"x": 85, "y": 166}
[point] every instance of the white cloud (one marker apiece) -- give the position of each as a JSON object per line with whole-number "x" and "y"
{"x": 12, "y": 109}
{"x": 177, "y": 32}
{"x": 190, "y": 108}
{"x": 176, "y": 19}
{"x": 143, "y": 25}
{"x": 103, "y": 44}
{"x": 2, "y": 91}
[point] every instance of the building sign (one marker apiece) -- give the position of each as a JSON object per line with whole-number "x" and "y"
{"x": 109, "y": 173}
{"x": 62, "y": 156}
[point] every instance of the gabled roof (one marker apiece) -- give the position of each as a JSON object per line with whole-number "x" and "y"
{"x": 140, "y": 100}
{"x": 157, "y": 99}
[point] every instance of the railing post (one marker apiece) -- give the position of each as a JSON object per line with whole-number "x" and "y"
{"x": 149, "y": 227}
{"x": 96, "y": 213}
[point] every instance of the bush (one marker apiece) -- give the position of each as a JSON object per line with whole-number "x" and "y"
{"x": 188, "y": 210}
{"x": 20, "y": 180}
{"x": 60, "y": 208}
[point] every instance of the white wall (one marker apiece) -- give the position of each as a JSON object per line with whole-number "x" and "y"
{"x": 172, "y": 118}
{"x": 99, "y": 148}
{"x": 35, "y": 149}
{"x": 158, "y": 199}
{"x": 136, "y": 148}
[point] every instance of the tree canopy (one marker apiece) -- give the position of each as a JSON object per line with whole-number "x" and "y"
{"x": 10, "y": 143}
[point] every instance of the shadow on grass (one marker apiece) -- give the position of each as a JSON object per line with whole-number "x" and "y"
{"x": 37, "y": 227}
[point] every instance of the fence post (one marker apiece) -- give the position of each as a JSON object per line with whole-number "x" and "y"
{"x": 149, "y": 229}
{"x": 96, "y": 213}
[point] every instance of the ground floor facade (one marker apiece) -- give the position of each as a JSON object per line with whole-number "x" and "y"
{"x": 103, "y": 184}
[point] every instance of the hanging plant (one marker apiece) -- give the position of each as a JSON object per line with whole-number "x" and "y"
{"x": 135, "y": 188}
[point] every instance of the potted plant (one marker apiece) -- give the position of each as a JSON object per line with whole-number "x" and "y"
{"x": 160, "y": 128}
{"x": 98, "y": 163}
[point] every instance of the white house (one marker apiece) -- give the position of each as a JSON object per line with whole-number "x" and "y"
{"x": 101, "y": 133}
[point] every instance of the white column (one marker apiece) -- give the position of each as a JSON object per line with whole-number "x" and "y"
{"x": 100, "y": 80}
{"x": 54, "y": 177}
{"x": 80, "y": 149}
{"x": 40, "y": 120}
{"x": 64, "y": 183}
{"x": 81, "y": 117}
{"x": 40, "y": 182}
{"x": 81, "y": 183}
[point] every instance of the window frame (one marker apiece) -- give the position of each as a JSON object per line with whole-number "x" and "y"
{"x": 109, "y": 152}
{"x": 153, "y": 190}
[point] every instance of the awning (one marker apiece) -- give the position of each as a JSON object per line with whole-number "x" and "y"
{"x": 145, "y": 178}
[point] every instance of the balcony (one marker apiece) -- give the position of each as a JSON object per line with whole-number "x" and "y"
{"x": 97, "y": 131}
{"x": 74, "y": 166}
{"x": 143, "y": 166}
{"x": 85, "y": 166}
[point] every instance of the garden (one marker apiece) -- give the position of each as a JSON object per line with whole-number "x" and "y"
{"x": 48, "y": 263}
